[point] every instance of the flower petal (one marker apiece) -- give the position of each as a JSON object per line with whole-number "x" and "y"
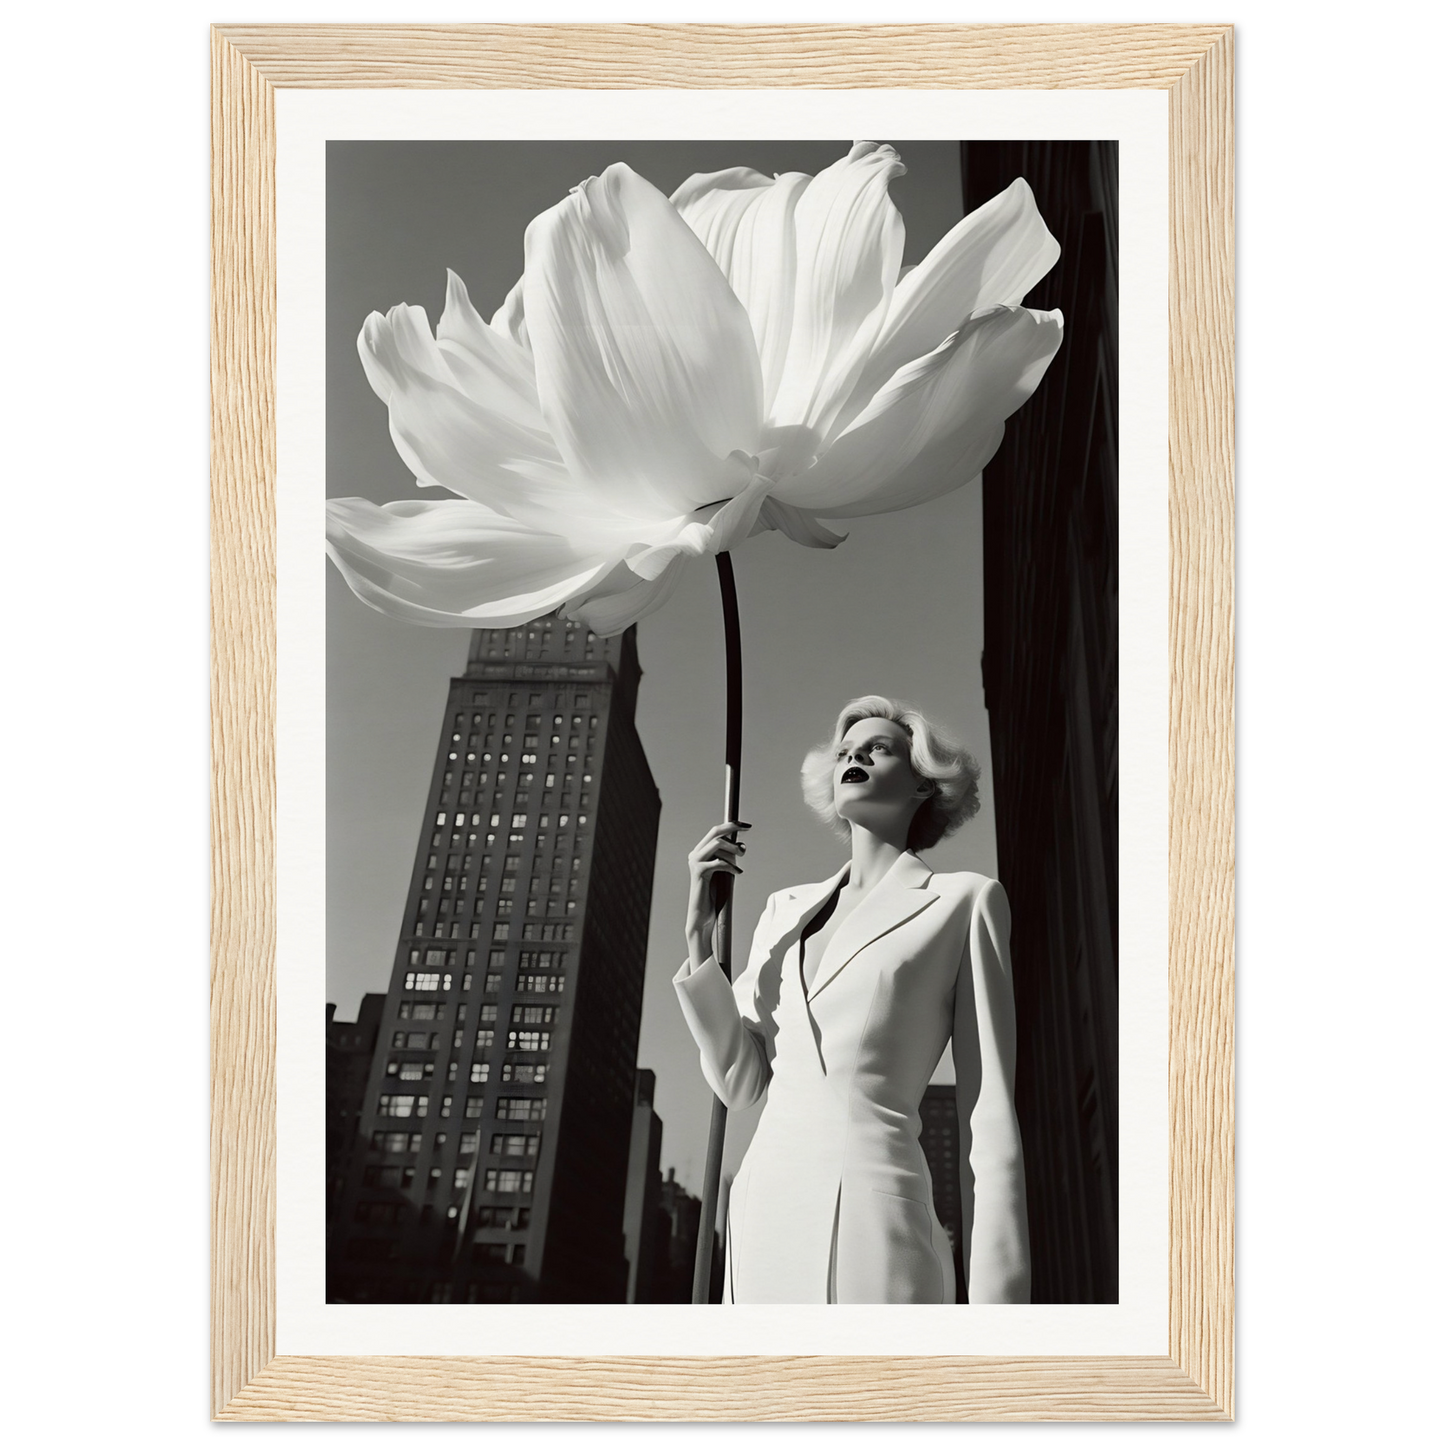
{"x": 607, "y": 614}
{"x": 700, "y": 536}
{"x": 646, "y": 364}
{"x": 509, "y": 320}
{"x": 797, "y": 526}
{"x": 745, "y": 219}
{"x": 488, "y": 365}
{"x": 451, "y": 439}
{"x": 992, "y": 257}
{"x": 454, "y": 563}
{"x": 849, "y": 239}
{"x": 946, "y": 410}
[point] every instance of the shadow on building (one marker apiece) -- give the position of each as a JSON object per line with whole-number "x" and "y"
{"x": 1050, "y": 671}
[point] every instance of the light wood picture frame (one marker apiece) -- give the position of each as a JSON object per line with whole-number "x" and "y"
{"x": 1195, "y": 1379}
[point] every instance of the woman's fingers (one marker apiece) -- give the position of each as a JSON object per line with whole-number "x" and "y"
{"x": 715, "y": 865}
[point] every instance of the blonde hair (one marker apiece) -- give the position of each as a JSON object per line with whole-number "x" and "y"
{"x": 933, "y": 755}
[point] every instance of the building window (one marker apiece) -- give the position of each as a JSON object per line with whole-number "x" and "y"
{"x": 415, "y": 1009}
{"x": 549, "y": 932}
{"x": 387, "y": 1176}
{"x": 520, "y": 1110}
{"x": 542, "y": 958}
{"x": 517, "y": 1073}
{"x": 409, "y": 1071}
{"x": 501, "y": 932}
{"x": 485, "y": 1036}
{"x": 492, "y": 983}
{"x": 509, "y": 1181}
{"x": 469, "y": 1143}
{"x": 423, "y": 982}
{"x": 532, "y": 1041}
{"x": 533, "y": 1013}
{"x": 515, "y": 1145}
{"x": 390, "y": 1142}
{"x": 474, "y": 1107}
{"x": 413, "y": 1040}
{"x": 541, "y": 983}
{"x": 480, "y": 1072}
{"x": 402, "y": 1106}
{"x": 446, "y": 1106}
{"x": 489, "y": 1013}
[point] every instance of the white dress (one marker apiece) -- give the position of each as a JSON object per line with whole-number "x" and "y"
{"x": 833, "y": 1202}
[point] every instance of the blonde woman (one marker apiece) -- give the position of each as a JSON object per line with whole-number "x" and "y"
{"x": 853, "y": 987}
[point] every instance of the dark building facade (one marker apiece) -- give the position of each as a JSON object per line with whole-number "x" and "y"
{"x": 492, "y": 1157}
{"x": 644, "y": 1190}
{"x": 1050, "y": 671}
{"x": 938, "y": 1111}
{"x": 349, "y": 1050}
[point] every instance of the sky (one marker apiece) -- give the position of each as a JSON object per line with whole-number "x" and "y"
{"x": 896, "y": 609}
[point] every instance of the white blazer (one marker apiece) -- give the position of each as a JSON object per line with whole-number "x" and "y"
{"x": 833, "y": 1202}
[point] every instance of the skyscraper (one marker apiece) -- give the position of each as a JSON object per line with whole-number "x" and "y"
{"x": 492, "y": 1162}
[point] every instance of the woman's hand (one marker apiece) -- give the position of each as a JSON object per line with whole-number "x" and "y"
{"x": 716, "y": 856}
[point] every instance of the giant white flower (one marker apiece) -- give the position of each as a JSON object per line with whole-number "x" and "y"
{"x": 671, "y": 376}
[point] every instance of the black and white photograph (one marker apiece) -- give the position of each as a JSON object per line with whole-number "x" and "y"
{"x": 722, "y": 722}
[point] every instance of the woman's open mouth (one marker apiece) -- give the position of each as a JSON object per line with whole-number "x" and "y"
{"x": 854, "y": 775}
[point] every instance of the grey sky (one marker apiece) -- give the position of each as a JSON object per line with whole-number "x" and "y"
{"x": 896, "y": 609}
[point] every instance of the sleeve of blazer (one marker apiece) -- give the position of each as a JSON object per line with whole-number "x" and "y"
{"x": 725, "y": 1023}
{"x": 992, "y": 1169}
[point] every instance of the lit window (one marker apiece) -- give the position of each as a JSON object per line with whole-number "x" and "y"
{"x": 533, "y": 1013}
{"x": 423, "y": 982}
{"x": 501, "y": 932}
{"x": 489, "y": 1013}
{"x": 528, "y": 1110}
{"x": 509, "y": 1181}
{"x": 389, "y": 1142}
{"x": 496, "y": 820}
{"x": 529, "y": 1040}
{"x": 485, "y": 1036}
{"x": 460, "y": 1178}
{"x": 515, "y": 1145}
{"x": 541, "y": 983}
{"x": 493, "y": 983}
{"x": 480, "y": 1072}
{"x": 402, "y": 1106}
{"x": 409, "y": 1071}
{"x": 468, "y": 1144}
{"x": 524, "y": 1073}
{"x": 474, "y": 1108}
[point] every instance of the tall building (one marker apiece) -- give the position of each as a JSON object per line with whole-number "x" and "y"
{"x": 1051, "y": 682}
{"x": 349, "y": 1050}
{"x": 644, "y": 1190}
{"x": 938, "y": 1112}
{"x": 496, "y": 1125}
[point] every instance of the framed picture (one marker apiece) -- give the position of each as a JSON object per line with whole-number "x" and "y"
{"x": 481, "y": 1196}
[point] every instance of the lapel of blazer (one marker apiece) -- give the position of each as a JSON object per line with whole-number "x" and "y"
{"x": 900, "y": 894}
{"x": 799, "y": 904}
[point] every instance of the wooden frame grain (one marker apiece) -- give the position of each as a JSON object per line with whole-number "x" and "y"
{"x": 1195, "y": 1380}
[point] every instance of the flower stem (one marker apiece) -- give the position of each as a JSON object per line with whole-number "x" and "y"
{"x": 722, "y": 937}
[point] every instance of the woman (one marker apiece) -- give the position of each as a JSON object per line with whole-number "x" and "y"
{"x": 852, "y": 989}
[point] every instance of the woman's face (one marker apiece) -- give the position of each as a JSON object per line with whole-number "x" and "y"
{"x": 873, "y": 781}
